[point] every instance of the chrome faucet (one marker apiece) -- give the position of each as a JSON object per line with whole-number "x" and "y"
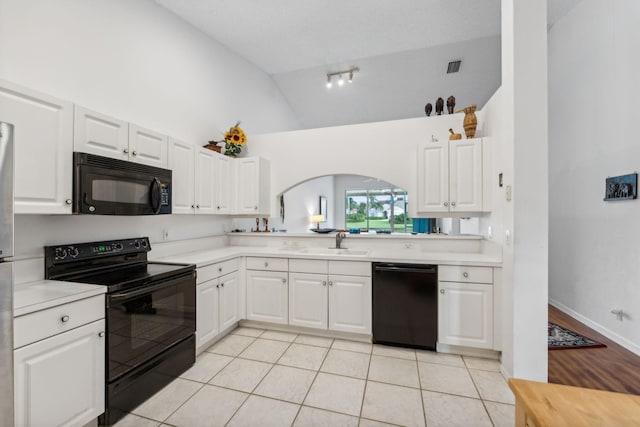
{"x": 339, "y": 238}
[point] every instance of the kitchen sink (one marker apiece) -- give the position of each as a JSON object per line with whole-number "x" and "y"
{"x": 335, "y": 251}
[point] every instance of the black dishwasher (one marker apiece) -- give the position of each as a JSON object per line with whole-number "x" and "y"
{"x": 405, "y": 305}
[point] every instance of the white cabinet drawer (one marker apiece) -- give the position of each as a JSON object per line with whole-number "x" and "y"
{"x": 350, "y": 268}
{"x": 319, "y": 266}
{"x": 267, "y": 264}
{"x": 457, "y": 273}
{"x": 42, "y": 324}
{"x": 218, "y": 269}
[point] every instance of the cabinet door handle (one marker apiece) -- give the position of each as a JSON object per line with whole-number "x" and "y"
{"x": 64, "y": 319}
{"x": 446, "y": 203}
{"x": 219, "y": 269}
{"x": 135, "y": 153}
{"x": 197, "y": 206}
{"x": 68, "y": 201}
{"x": 255, "y": 208}
{"x": 330, "y": 283}
{"x": 465, "y": 274}
{"x": 125, "y": 151}
{"x": 324, "y": 283}
{"x": 193, "y": 206}
{"x": 442, "y": 291}
{"x": 284, "y": 280}
{"x": 222, "y": 284}
{"x": 218, "y": 207}
{"x": 266, "y": 264}
{"x": 101, "y": 334}
{"x": 218, "y": 286}
{"x": 453, "y": 203}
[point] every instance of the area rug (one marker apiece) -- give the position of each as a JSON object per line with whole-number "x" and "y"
{"x": 564, "y": 339}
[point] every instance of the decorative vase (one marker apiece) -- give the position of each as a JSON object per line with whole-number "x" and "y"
{"x": 470, "y": 121}
{"x": 428, "y": 109}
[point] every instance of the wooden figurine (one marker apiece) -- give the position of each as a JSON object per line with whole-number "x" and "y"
{"x": 428, "y": 109}
{"x": 266, "y": 224}
{"x": 439, "y": 106}
{"x": 257, "y": 224}
{"x": 451, "y": 103}
{"x": 454, "y": 135}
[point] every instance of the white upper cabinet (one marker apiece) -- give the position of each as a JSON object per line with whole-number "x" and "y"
{"x": 205, "y": 179}
{"x": 224, "y": 185}
{"x": 465, "y": 175}
{"x": 182, "y": 162}
{"x": 253, "y": 186}
{"x": 433, "y": 177}
{"x": 450, "y": 176}
{"x": 43, "y": 142}
{"x": 148, "y": 147}
{"x": 96, "y": 133}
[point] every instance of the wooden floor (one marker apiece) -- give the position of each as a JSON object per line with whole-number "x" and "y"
{"x": 612, "y": 368}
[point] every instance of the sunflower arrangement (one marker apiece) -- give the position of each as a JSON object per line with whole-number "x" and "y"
{"x": 234, "y": 139}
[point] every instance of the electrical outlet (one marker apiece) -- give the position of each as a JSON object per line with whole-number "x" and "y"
{"x": 165, "y": 234}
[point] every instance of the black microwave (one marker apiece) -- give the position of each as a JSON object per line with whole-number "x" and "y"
{"x": 105, "y": 186}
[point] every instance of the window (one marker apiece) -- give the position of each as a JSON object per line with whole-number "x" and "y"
{"x": 384, "y": 210}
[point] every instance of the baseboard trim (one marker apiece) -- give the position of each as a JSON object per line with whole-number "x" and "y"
{"x": 632, "y": 347}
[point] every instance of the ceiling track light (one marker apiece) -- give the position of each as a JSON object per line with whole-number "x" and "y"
{"x": 350, "y": 72}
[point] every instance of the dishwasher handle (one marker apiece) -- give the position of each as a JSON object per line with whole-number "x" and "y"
{"x": 427, "y": 270}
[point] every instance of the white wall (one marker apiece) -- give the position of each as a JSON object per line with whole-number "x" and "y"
{"x": 136, "y": 61}
{"x": 300, "y": 203}
{"x": 593, "y": 91}
{"x": 524, "y": 137}
{"x": 395, "y": 86}
{"x": 385, "y": 150}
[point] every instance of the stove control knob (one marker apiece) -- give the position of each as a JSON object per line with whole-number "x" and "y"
{"x": 60, "y": 253}
{"x": 144, "y": 243}
{"x": 73, "y": 252}
{"x": 136, "y": 244}
{"x": 118, "y": 246}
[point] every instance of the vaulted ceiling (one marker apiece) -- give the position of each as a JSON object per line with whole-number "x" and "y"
{"x": 402, "y": 48}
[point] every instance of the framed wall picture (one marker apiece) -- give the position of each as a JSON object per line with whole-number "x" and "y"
{"x": 323, "y": 208}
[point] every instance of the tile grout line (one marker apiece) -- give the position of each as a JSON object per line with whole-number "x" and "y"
{"x": 262, "y": 379}
{"x": 312, "y": 382}
{"x": 366, "y": 385}
{"x": 486, "y": 410}
{"x": 424, "y": 410}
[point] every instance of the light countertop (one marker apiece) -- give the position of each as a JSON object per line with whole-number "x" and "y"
{"x": 35, "y": 296}
{"x": 206, "y": 257}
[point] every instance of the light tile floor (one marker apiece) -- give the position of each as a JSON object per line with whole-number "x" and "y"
{"x": 263, "y": 378}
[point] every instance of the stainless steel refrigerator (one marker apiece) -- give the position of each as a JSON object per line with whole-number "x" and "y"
{"x": 6, "y": 275}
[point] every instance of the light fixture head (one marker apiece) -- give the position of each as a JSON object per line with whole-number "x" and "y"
{"x": 341, "y": 76}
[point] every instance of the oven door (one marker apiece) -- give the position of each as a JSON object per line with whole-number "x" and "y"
{"x": 143, "y": 322}
{"x": 114, "y": 187}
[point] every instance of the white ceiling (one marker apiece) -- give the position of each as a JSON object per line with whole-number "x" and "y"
{"x": 298, "y": 42}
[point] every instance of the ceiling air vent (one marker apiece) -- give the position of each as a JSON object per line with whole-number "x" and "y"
{"x": 454, "y": 67}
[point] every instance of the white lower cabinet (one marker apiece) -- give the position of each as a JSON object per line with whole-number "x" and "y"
{"x": 59, "y": 381}
{"x": 330, "y": 301}
{"x": 350, "y": 304}
{"x": 267, "y": 296}
{"x": 217, "y": 301}
{"x": 308, "y": 300}
{"x": 465, "y": 314}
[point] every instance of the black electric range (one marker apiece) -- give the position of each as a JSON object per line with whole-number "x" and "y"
{"x": 150, "y": 315}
